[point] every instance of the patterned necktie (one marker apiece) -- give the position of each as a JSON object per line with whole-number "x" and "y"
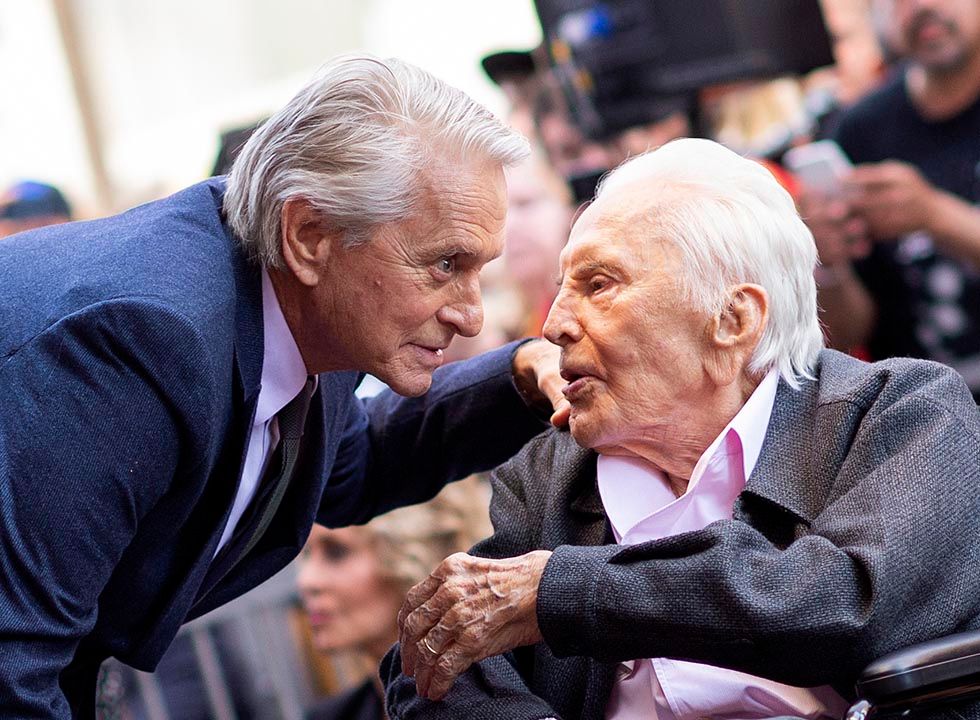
{"x": 291, "y": 420}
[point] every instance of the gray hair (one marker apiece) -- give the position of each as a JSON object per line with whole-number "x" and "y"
{"x": 355, "y": 142}
{"x": 734, "y": 223}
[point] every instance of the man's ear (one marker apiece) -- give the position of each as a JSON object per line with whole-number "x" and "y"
{"x": 307, "y": 240}
{"x": 736, "y": 331}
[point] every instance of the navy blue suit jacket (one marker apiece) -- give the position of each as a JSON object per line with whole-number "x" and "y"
{"x": 130, "y": 361}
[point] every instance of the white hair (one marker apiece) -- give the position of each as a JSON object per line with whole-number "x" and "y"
{"x": 356, "y": 143}
{"x": 734, "y": 223}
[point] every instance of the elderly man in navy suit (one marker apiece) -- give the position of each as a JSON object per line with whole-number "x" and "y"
{"x": 177, "y": 381}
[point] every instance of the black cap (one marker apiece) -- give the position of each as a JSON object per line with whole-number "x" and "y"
{"x": 508, "y": 65}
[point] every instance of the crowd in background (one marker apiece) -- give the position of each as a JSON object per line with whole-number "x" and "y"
{"x": 917, "y": 295}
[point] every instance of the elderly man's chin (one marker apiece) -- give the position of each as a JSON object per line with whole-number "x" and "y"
{"x": 410, "y": 374}
{"x": 585, "y": 427}
{"x": 408, "y": 384}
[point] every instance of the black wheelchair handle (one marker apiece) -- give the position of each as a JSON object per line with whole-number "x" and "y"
{"x": 936, "y": 670}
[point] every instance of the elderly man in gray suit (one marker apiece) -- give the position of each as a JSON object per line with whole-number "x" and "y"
{"x": 739, "y": 520}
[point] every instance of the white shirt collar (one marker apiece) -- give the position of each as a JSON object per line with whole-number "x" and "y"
{"x": 283, "y": 370}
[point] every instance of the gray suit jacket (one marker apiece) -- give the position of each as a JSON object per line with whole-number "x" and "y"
{"x": 856, "y": 534}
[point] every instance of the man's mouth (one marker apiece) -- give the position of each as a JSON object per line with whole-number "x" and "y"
{"x": 929, "y": 27}
{"x": 570, "y": 375}
{"x": 320, "y": 617}
{"x": 577, "y": 379}
{"x": 430, "y": 354}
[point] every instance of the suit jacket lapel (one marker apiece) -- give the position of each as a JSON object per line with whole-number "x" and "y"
{"x": 575, "y": 478}
{"x": 247, "y": 362}
{"x": 577, "y": 472}
{"x": 784, "y": 474}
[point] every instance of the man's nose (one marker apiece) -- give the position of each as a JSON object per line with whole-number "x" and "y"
{"x": 306, "y": 578}
{"x": 560, "y": 327}
{"x": 465, "y": 314}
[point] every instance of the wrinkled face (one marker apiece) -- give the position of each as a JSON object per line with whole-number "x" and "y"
{"x": 941, "y": 35}
{"x": 391, "y": 305}
{"x": 632, "y": 347}
{"x": 350, "y": 605}
{"x": 538, "y": 218}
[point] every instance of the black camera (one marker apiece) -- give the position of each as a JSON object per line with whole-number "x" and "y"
{"x": 620, "y": 62}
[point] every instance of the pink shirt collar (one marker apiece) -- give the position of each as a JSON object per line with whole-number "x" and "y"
{"x": 632, "y": 491}
{"x": 641, "y": 507}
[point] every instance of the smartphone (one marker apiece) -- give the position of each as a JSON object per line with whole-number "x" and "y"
{"x": 820, "y": 166}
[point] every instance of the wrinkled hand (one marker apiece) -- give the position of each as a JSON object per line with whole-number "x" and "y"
{"x": 892, "y": 197}
{"x": 468, "y": 609}
{"x": 839, "y": 233}
{"x": 536, "y": 371}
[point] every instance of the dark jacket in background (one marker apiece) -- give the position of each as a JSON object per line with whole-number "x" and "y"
{"x": 359, "y": 703}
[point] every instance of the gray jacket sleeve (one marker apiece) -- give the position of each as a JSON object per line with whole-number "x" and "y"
{"x": 493, "y": 688}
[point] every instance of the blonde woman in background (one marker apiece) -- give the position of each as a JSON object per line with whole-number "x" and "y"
{"x": 352, "y": 581}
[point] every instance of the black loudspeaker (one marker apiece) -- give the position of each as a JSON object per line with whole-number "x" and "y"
{"x": 624, "y": 62}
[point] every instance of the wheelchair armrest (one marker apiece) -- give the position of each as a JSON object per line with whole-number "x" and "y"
{"x": 936, "y": 671}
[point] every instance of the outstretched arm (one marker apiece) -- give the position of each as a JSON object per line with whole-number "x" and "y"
{"x": 398, "y": 451}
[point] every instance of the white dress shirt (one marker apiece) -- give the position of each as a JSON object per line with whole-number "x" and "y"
{"x": 283, "y": 377}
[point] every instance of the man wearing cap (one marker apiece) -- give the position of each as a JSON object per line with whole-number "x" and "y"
{"x": 31, "y": 204}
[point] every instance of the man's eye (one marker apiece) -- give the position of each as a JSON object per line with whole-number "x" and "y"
{"x": 598, "y": 282}
{"x": 446, "y": 264}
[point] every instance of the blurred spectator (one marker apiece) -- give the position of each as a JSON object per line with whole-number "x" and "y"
{"x": 576, "y": 157}
{"x": 29, "y": 205}
{"x": 861, "y": 64}
{"x": 761, "y": 119}
{"x": 352, "y": 581}
{"x": 765, "y": 118}
{"x": 901, "y": 248}
{"x": 514, "y": 73}
{"x": 230, "y": 144}
{"x": 538, "y": 107}
{"x": 539, "y": 216}
{"x": 857, "y": 50}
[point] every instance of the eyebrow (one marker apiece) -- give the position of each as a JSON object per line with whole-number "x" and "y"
{"x": 594, "y": 266}
{"x": 588, "y": 268}
{"x": 457, "y": 248}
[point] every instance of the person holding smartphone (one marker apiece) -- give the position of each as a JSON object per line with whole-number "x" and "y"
{"x": 900, "y": 244}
